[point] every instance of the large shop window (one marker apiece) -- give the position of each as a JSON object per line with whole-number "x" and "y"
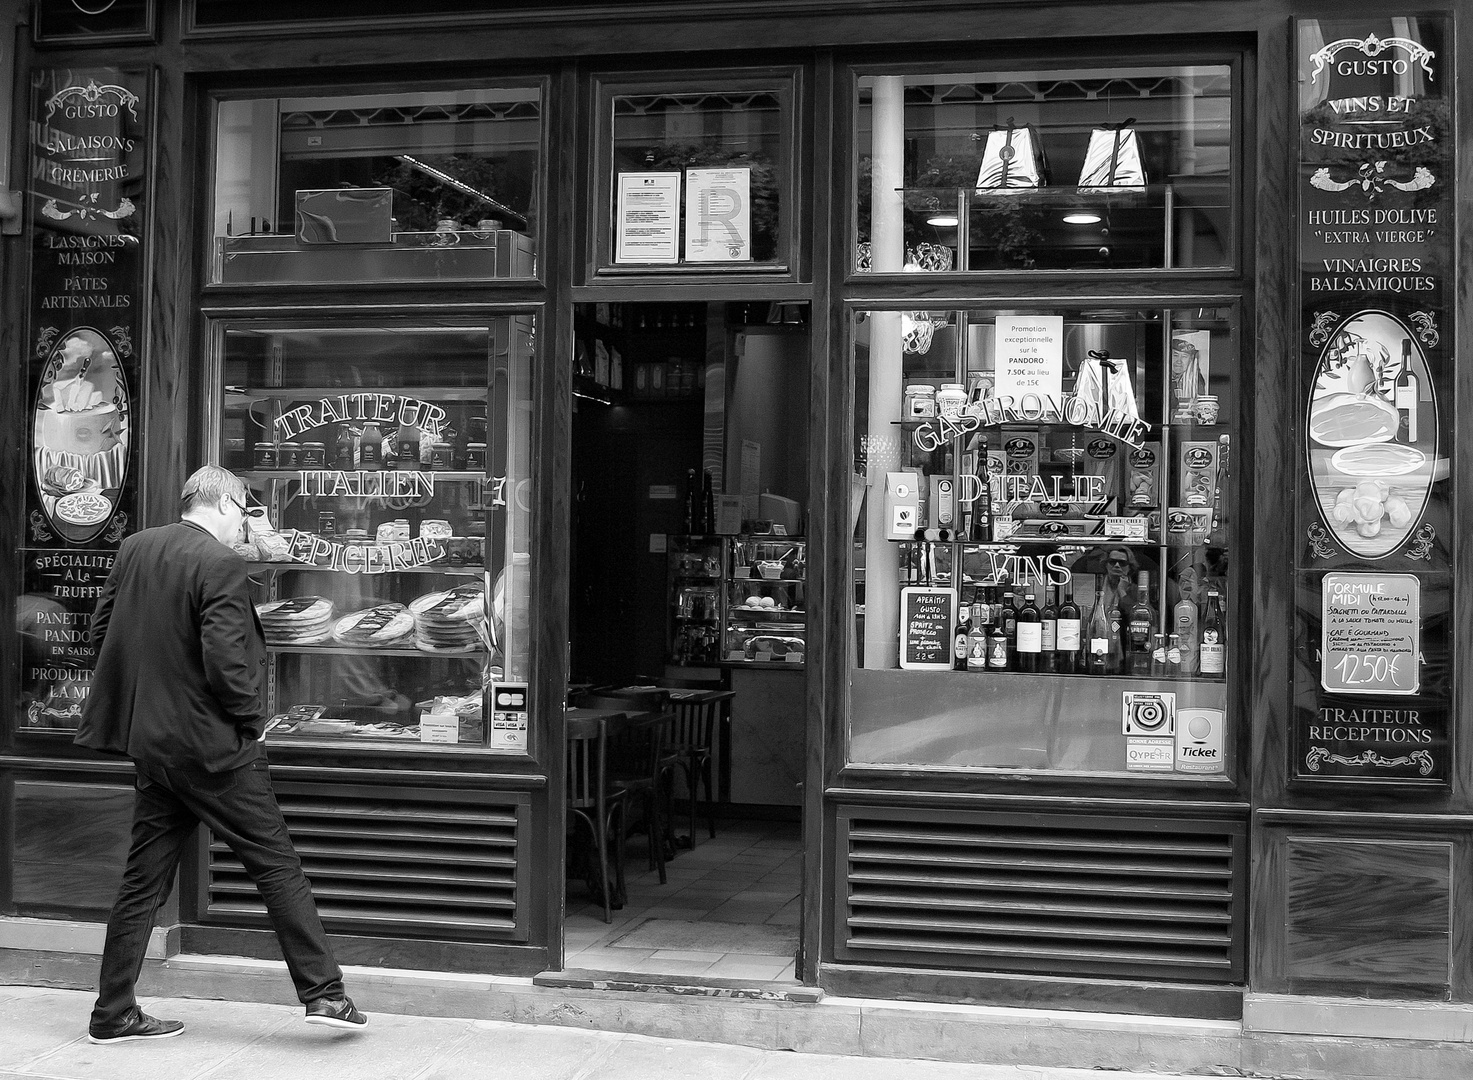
{"x": 1043, "y": 502}
{"x": 392, "y": 556}
{"x": 1120, "y": 168}
{"x": 433, "y": 186}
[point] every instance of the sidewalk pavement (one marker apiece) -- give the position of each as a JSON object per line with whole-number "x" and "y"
{"x": 43, "y": 1036}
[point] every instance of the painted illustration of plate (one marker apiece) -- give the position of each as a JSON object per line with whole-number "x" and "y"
{"x": 83, "y": 508}
{"x": 1377, "y": 459}
{"x": 1352, "y": 419}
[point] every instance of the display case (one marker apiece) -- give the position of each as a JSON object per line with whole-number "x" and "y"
{"x": 391, "y": 558}
{"x": 765, "y": 617}
{"x": 1044, "y": 523}
{"x": 693, "y": 637}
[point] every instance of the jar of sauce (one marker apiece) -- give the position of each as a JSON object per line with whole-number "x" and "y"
{"x": 266, "y": 457}
{"x": 287, "y": 454}
{"x": 951, "y": 399}
{"x": 919, "y": 402}
{"x": 475, "y": 456}
{"x": 313, "y": 455}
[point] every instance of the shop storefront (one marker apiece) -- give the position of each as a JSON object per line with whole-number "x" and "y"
{"x": 1064, "y": 424}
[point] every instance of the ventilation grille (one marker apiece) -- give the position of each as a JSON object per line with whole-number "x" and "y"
{"x": 404, "y": 861}
{"x": 1059, "y": 895}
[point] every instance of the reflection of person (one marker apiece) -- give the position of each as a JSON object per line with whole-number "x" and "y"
{"x": 177, "y": 689}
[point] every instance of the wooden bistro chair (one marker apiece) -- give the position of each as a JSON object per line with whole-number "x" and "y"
{"x": 592, "y": 800}
{"x": 637, "y": 769}
{"x": 694, "y": 731}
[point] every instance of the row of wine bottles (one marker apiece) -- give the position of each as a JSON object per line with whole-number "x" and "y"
{"x": 1000, "y": 629}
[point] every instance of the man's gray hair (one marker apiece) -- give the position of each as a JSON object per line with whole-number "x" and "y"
{"x": 208, "y": 486}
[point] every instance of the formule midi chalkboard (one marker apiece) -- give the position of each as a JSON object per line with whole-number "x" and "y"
{"x": 927, "y": 616}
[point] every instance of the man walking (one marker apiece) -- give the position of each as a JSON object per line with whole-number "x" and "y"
{"x": 177, "y": 688}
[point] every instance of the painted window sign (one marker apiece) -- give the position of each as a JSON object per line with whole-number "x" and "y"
{"x": 1372, "y": 434}
{"x": 82, "y": 434}
{"x": 1376, "y": 249}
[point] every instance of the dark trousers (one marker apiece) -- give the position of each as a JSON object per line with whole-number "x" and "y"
{"x": 240, "y": 808}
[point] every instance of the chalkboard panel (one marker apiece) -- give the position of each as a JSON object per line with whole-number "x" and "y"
{"x": 926, "y": 619}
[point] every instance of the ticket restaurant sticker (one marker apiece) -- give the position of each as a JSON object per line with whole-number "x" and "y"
{"x": 1371, "y": 633}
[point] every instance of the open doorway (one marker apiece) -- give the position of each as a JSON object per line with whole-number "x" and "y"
{"x": 689, "y": 573}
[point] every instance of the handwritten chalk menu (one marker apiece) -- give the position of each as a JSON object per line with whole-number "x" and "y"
{"x": 926, "y": 621}
{"x": 1029, "y": 351}
{"x": 1370, "y": 633}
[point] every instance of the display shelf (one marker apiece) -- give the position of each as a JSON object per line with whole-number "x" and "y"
{"x": 345, "y": 650}
{"x": 453, "y": 475}
{"x": 239, "y": 395}
{"x": 432, "y": 568}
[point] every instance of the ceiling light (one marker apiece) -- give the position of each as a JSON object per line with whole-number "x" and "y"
{"x": 1081, "y": 217}
{"x": 943, "y": 221}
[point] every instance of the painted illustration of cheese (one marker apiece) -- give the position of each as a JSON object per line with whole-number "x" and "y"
{"x": 85, "y": 432}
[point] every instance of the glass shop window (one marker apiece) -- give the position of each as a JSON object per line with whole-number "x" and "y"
{"x": 432, "y": 186}
{"x": 699, "y": 174}
{"x": 393, "y": 556}
{"x": 1108, "y": 169}
{"x": 1044, "y": 539}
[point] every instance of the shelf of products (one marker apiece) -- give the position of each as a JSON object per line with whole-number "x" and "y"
{"x": 737, "y": 600}
{"x": 390, "y": 557}
{"x": 1078, "y": 531}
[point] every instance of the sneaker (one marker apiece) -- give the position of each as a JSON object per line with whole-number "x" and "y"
{"x": 336, "y": 1013}
{"x": 142, "y": 1026}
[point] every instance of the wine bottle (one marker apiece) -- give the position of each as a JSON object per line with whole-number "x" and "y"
{"x": 960, "y": 635}
{"x": 1115, "y": 658}
{"x": 692, "y": 504}
{"x": 1098, "y": 634}
{"x": 1405, "y": 395}
{"x": 1142, "y": 621}
{"x": 1030, "y": 634}
{"x": 977, "y": 635}
{"x": 1067, "y": 641}
{"x": 1049, "y": 619}
{"x": 1010, "y": 628}
{"x": 1214, "y": 644}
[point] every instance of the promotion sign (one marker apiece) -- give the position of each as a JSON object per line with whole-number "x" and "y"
{"x": 85, "y": 200}
{"x": 1374, "y": 490}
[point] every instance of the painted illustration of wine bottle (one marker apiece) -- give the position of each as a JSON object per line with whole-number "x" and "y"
{"x": 1406, "y": 394}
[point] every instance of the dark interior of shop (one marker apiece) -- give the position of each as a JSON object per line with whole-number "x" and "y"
{"x": 677, "y": 405}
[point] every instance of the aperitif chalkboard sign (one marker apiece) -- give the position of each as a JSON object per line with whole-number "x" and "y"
{"x": 926, "y": 619}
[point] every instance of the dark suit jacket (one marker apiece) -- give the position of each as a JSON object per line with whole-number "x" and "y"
{"x": 180, "y": 655}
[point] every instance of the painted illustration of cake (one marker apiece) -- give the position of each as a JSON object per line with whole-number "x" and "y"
{"x": 81, "y": 433}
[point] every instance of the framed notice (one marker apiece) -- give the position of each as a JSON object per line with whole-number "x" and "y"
{"x": 718, "y": 215}
{"x": 1370, "y": 633}
{"x": 647, "y": 218}
{"x": 1029, "y": 351}
{"x": 927, "y": 616}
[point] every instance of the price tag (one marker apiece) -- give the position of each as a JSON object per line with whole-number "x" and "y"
{"x": 1125, "y": 528}
{"x": 1371, "y": 633}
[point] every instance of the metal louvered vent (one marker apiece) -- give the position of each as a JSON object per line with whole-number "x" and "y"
{"x": 406, "y": 861}
{"x": 1043, "y": 893}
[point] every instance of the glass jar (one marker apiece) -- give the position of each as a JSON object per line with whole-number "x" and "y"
{"x": 475, "y": 456}
{"x": 919, "y": 402}
{"x": 287, "y": 454}
{"x": 951, "y": 399}
{"x": 313, "y": 455}
{"x": 265, "y": 455}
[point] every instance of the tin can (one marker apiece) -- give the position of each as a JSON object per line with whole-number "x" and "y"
{"x": 313, "y": 455}
{"x": 266, "y": 455}
{"x": 287, "y": 454}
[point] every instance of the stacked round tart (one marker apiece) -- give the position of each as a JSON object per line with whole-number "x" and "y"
{"x": 444, "y": 622}
{"x": 384, "y": 626}
{"x": 302, "y": 620}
